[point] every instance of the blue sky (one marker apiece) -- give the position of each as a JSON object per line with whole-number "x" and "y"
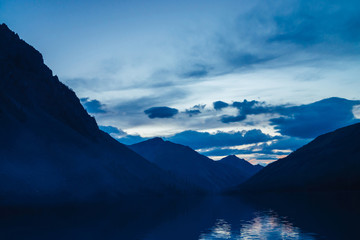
{"x": 251, "y": 75}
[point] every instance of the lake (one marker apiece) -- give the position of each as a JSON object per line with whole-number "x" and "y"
{"x": 270, "y": 216}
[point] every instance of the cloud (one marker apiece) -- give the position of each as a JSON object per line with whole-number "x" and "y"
{"x": 312, "y": 22}
{"x": 251, "y": 107}
{"x": 161, "y": 112}
{"x": 231, "y": 119}
{"x": 247, "y": 154}
{"x": 312, "y": 120}
{"x": 122, "y": 136}
{"x": 131, "y": 139}
{"x": 238, "y": 60}
{"x": 284, "y": 143}
{"x": 200, "y": 140}
{"x": 303, "y": 121}
{"x": 272, "y": 149}
{"x": 112, "y": 130}
{"x": 218, "y": 105}
{"x": 128, "y": 110}
{"x": 297, "y": 125}
{"x": 293, "y": 32}
{"x": 195, "y": 110}
{"x": 192, "y": 112}
{"x": 197, "y": 71}
{"x": 245, "y": 108}
{"x": 93, "y": 106}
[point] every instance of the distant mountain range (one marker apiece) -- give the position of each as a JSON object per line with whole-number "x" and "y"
{"x": 194, "y": 168}
{"x": 330, "y": 162}
{"x": 246, "y": 168}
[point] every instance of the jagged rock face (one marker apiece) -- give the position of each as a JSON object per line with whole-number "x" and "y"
{"x": 26, "y": 82}
{"x": 194, "y": 168}
{"x": 330, "y": 162}
{"x": 51, "y": 150}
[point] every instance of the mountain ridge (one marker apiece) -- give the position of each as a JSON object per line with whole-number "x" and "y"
{"x": 186, "y": 163}
{"x": 51, "y": 149}
{"x": 329, "y": 162}
{"x": 244, "y": 166}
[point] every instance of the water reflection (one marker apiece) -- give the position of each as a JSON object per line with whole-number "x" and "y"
{"x": 266, "y": 225}
{"x": 221, "y": 230}
{"x": 294, "y": 216}
{"x": 256, "y": 217}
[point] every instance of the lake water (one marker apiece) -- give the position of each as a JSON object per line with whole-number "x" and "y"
{"x": 295, "y": 216}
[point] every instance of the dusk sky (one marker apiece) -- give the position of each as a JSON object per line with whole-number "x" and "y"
{"x": 253, "y": 78}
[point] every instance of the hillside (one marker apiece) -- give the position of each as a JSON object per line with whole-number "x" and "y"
{"x": 189, "y": 165}
{"x": 330, "y": 162}
{"x": 246, "y": 168}
{"x": 51, "y": 150}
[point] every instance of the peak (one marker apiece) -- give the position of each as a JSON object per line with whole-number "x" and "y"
{"x": 6, "y": 32}
{"x": 234, "y": 159}
{"x": 156, "y": 139}
{"x": 231, "y": 157}
{"x": 26, "y": 80}
{"x": 18, "y": 55}
{"x": 3, "y": 27}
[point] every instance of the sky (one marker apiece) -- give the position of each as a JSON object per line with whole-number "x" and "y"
{"x": 253, "y": 78}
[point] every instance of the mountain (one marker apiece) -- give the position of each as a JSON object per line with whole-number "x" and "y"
{"x": 189, "y": 165}
{"x": 246, "y": 168}
{"x": 330, "y": 162}
{"x": 51, "y": 150}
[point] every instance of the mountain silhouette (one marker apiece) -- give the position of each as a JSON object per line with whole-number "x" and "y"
{"x": 51, "y": 150}
{"x": 194, "y": 168}
{"x": 330, "y": 162}
{"x": 246, "y": 168}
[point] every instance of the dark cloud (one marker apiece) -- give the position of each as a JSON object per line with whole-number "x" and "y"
{"x": 195, "y": 110}
{"x": 197, "y": 71}
{"x": 251, "y": 107}
{"x": 161, "y": 112}
{"x": 314, "y": 22}
{"x": 245, "y": 108}
{"x": 238, "y": 60}
{"x": 192, "y": 112}
{"x": 141, "y": 103}
{"x": 312, "y": 120}
{"x": 231, "y": 119}
{"x": 198, "y": 140}
{"x": 218, "y": 105}
{"x": 93, "y": 106}
{"x": 297, "y": 125}
{"x": 131, "y": 112}
{"x": 287, "y": 33}
{"x": 234, "y": 57}
{"x": 304, "y": 121}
